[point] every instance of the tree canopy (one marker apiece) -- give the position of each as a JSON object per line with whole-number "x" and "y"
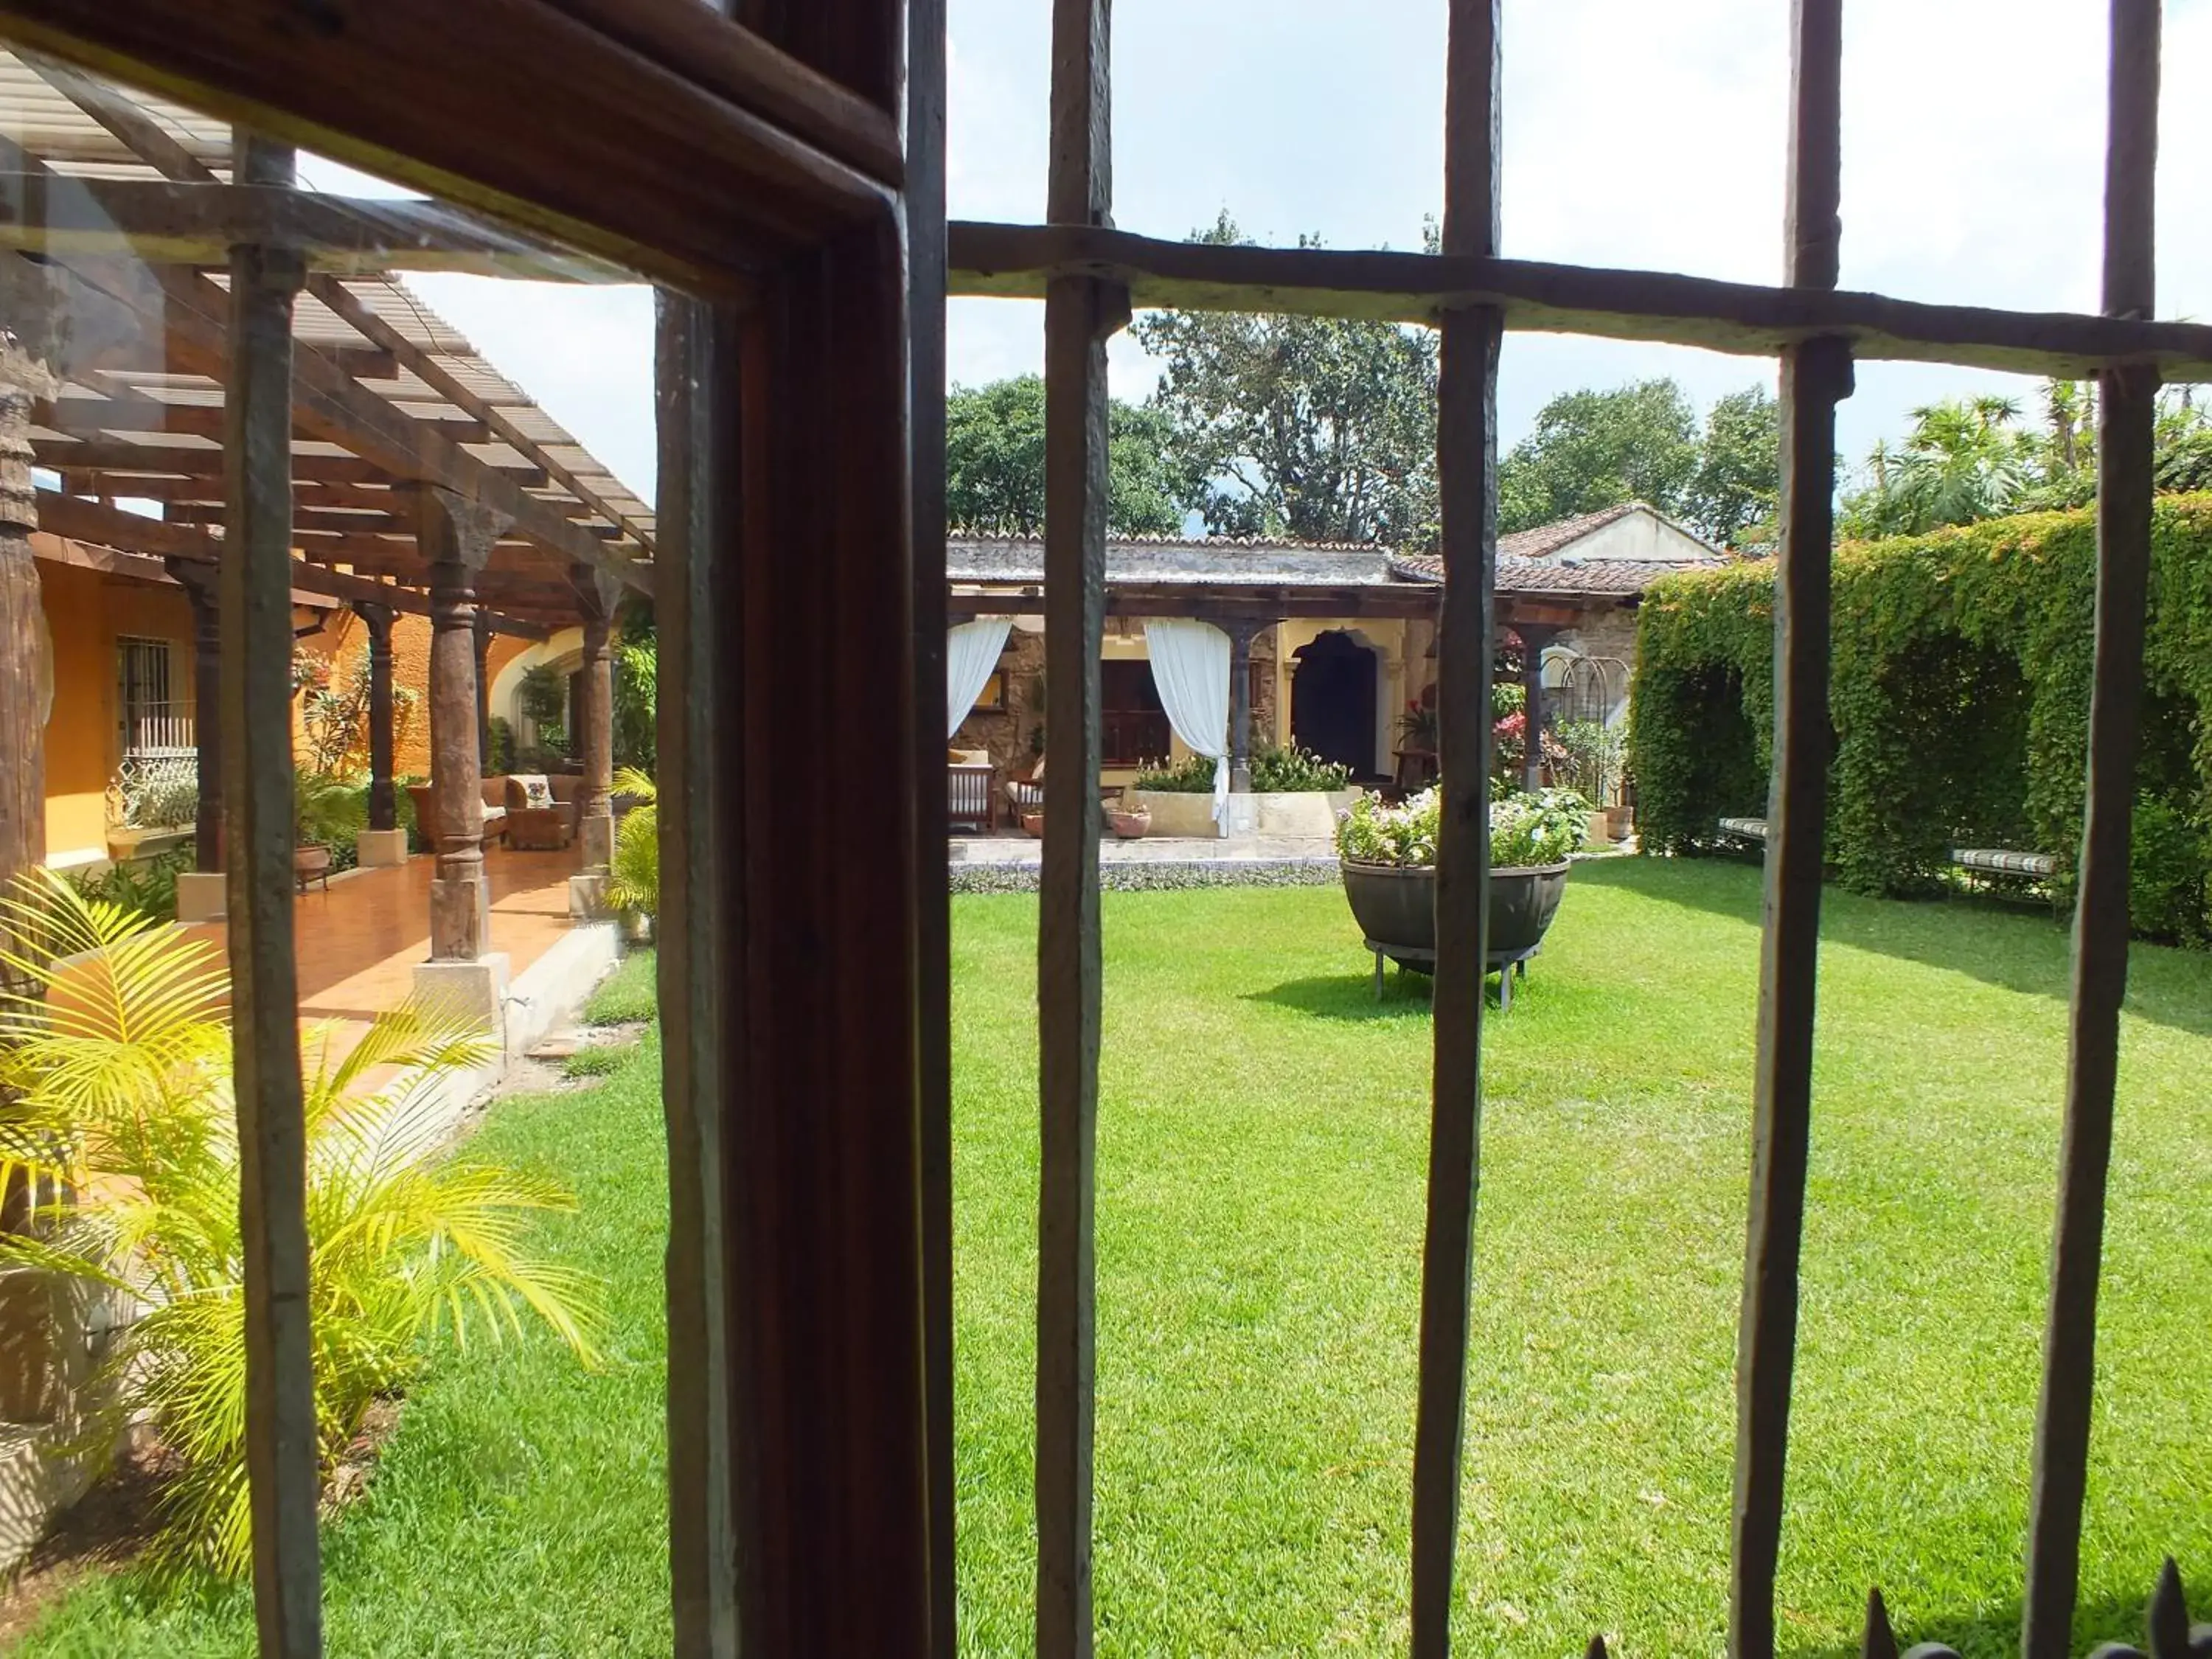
{"x": 994, "y": 463}
{"x": 1317, "y": 428}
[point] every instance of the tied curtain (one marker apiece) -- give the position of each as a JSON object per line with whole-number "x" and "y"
{"x": 971, "y": 652}
{"x": 1190, "y": 668}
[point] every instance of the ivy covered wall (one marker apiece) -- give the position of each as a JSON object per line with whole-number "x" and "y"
{"x": 1959, "y": 699}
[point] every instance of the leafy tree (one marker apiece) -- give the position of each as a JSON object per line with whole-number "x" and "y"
{"x": 1732, "y": 498}
{"x": 1317, "y": 428}
{"x": 1593, "y": 450}
{"x": 994, "y": 463}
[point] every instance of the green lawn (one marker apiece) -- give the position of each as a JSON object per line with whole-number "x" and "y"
{"x": 1262, "y": 1139}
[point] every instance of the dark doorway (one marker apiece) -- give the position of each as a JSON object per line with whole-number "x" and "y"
{"x": 1333, "y": 701}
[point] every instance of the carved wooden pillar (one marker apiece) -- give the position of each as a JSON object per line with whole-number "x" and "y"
{"x": 594, "y": 719}
{"x": 199, "y": 582}
{"x": 1240, "y": 704}
{"x": 480, "y": 643}
{"x": 457, "y": 537}
{"x": 382, "y": 805}
{"x": 22, "y": 646}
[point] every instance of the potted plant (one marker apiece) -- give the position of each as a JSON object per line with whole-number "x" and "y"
{"x": 1130, "y": 823}
{"x": 1387, "y": 856}
{"x": 324, "y": 809}
{"x": 1594, "y": 752}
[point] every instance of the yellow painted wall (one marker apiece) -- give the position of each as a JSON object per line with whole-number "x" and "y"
{"x": 86, "y": 612}
{"x": 345, "y": 640}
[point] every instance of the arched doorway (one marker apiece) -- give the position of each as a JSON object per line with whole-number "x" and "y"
{"x": 1333, "y": 701}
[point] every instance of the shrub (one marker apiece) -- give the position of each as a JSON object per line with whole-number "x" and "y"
{"x": 502, "y": 744}
{"x": 1192, "y": 775}
{"x": 1525, "y": 830}
{"x": 118, "y": 1096}
{"x": 1958, "y": 696}
{"x": 139, "y": 887}
{"x": 1293, "y": 770}
{"x": 634, "y": 873}
{"x": 165, "y": 804}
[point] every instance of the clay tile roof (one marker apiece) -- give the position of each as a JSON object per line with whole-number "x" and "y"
{"x": 1544, "y": 539}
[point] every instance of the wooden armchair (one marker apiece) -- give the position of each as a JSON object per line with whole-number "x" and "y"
{"x": 970, "y": 802}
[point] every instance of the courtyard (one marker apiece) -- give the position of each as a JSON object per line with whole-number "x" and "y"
{"x": 1262, "y": 1150}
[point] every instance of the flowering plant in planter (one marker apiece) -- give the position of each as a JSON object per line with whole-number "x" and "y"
{"x": 1525, "y": 830}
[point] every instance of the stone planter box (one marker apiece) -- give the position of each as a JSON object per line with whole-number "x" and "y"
{"x": 1311, "y": 813}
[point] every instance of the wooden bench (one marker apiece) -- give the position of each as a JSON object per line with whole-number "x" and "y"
{"x": 1999, "y": 861}
{"x": 1751, "y": 829}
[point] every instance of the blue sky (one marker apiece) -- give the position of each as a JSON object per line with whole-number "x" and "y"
{"x": 1638, "y": 133}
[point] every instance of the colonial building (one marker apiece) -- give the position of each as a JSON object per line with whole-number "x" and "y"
{"x": 1326, "y": 645}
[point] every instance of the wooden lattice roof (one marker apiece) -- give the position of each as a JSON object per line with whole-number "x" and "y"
{"x": 119, "y": 214}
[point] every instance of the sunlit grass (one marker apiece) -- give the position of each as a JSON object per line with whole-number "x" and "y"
{"x": 1262, "y": 1140}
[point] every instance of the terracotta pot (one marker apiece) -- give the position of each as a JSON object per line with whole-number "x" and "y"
{"x": 1619, "y": 822}
{"x": 1397, "y": 906}
{"x": 1033, "y": 822}
{"x": 310, "y": 860}
{"x": 1131, "y": 825}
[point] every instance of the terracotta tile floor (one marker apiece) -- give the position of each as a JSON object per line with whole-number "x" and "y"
{"x": 359, "y": 941}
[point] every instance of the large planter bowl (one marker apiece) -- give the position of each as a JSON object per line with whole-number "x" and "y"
{"x": 1396, "y": 908}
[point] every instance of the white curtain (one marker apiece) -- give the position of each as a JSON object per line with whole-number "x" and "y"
{"x": 971, "y": 652}
{"x": 1190, "y": 666}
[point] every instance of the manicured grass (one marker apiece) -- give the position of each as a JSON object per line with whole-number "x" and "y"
{"x": 628, "y": 994}
{"x": 1262, "y": 1143}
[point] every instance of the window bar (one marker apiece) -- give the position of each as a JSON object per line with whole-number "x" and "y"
{"x": 693, "y": 384}
{"x": 1467, "y": 471}
{"x": 1815, "y": 374}
{"x": 2127, "y": 407}
{"x": 1080, "y": 312}
{"x": 925, "y": 220}
{"x": 280, "y": 1445}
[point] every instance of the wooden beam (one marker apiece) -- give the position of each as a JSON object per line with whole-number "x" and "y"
{"x": 1081, "y": 313}
{"x": 1466, "y": 466}
{"x": 1815, "y": 375}
{"x": 400, "y": 91}
{"x": 74, "y": 415}
{"x": 23, "y": 702}
{"x": 121, "y": 459}
{"x": 2127, "y": 412}
{"x": 163, "y": 222}
{"x": 927, "y": 63}
{"x": 1019, "y": 261}
{"x": 283, "y": 1437}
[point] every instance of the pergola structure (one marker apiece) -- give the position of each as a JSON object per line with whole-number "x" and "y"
{"x": 421, "y": 480}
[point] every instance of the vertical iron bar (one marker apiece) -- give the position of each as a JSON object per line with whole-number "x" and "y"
{"x": 2127, "y": 410}
{"x": 1466, "y": 470}
{"x": 925, "y": 207}
{"x": 1079, "y": 312}
{"x": 1815, "y": 375}
{"x": 283, "y": 1466}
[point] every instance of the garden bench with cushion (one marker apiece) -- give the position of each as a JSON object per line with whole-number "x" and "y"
{"x": 1997, "y": 861}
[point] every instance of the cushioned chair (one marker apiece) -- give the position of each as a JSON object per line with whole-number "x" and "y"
{"x": 970, "y": 802}
{"x": 541, "y": 811}
{"x": 495, "y": 811}
{"x": 1028, "y": 793}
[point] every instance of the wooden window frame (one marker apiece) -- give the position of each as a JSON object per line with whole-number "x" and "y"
{"x": 786, "y": 176}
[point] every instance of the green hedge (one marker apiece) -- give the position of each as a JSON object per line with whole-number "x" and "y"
{"x": 1959, "y": 698}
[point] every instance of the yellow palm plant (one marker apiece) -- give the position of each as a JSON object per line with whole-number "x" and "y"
{"x": 633, "y": 877}
{"x": 119, "y": 1100}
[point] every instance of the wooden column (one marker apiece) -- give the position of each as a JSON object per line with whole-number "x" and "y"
{"x": 594, "y": 715}
{"x": 1534, "y": 639}
{"x": 1466, "y": 468}
{"x": 457, "y": 535}
{"x": 281, "y": 1447}
{"x": 2127, "y": 409}
{"x": 1080, "y": 313}
{"x": 383, "y": 807}
{"x": 203, "y": 592}
{"x": 1240, "y": 704}
{"x": 1815, "y": 376}
{"x": 23, "y": 668}
{"x": 480, "y": 639}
